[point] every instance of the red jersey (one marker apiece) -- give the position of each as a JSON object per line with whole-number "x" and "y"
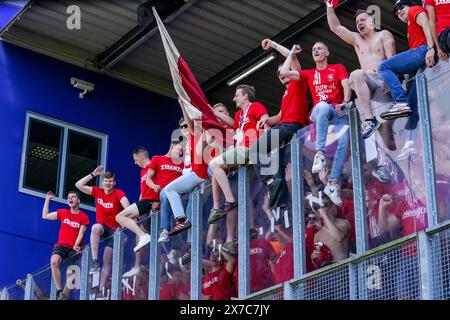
{"x": 70, "y": 227}
{"x": 107, "y": 206}
{"x": 284, "y": 266}
{"x": 261, "y": 276}
{"x": 218, "y": 284}
{"x": 374, "y": 192}
{"x": 325, "y": 85}
{"x": 193, "y": 160}
{"x": 416, "y": 36}
{"x": 147, "y": 193}
{"x": 412, "y": 214}
{"x": 248, "y": 125}
{"x": 165, "y": 171}
{"x": 442, "y": 8}
{"x": 294, "y": 106}
{"x": 309, "y": 244}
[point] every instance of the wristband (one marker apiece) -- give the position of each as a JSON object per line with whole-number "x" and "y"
{"x": 92, "y": 175}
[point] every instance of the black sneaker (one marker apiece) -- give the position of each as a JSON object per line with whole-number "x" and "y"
{"x": 229, "y": 248}
{"x": 180, "y": 226}
{"x": 60, "y": 295}
{"x": 274, "y": 190}
{"x": 217, "y": 214}
{"x": 186, "y": 257}
{"x": 95, "y": 267}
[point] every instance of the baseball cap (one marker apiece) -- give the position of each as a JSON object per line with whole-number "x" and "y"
{"x": 400, "y": 3}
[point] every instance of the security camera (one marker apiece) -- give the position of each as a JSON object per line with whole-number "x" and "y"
{"x": 82, "y": 85}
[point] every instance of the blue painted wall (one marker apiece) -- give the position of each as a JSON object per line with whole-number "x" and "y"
{"x": 129, "y": 115}
{"x": 7, "y": 12}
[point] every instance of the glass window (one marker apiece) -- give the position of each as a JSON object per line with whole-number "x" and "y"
{"x": 56, "y": 155}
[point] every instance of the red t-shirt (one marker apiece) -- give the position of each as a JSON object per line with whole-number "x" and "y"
{"x": 294, "y": 106}
{"x": 70, "y": 226}
{"x": 194, "y": 160}
{"x": 165, "y": 171}
{"x": 261, "y": 276}
{"x": 172, "y": 291}
{"x": 442, "y": 8}
{"x": 416, "y": 36}
{"x": 147, "y": 193}
{"x": 411, "y": 213}
{"x": 309, "y": 243}
{"x": 374, "y": 192}
{"x": 325, "y": 85}
{"x": 107, "y": 206}
{"x": 284, "y": 266}
{"x": 251, "y": 133}
{"x": 218, "y": 284}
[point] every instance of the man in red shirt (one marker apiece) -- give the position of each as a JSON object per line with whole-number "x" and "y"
{"x": 246, "y": 134}
{"x": 330, "y": 90}
{"x": 218, "y": 284}
{"x": 150, "y": 187}
{"x": 293, "y": 116}
{"x": 284, "y": 265}
{"x": 439, "y": 13}
{"x": 109, "y": 201}
{"x": 421, "y": 51}
{"x": 74, "y": 223}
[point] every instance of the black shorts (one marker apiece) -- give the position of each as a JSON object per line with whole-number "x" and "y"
{"x": 68, "y": 255}
{"x": 144, "y": 206}
{"x": 107, "y": 238}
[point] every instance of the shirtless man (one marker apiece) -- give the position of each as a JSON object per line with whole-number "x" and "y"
{"x": 372, "y": 48}
{"x": 334, "y": 232}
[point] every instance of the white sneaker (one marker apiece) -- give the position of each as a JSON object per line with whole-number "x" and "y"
{"x": 132, "y": 272}
{"x": 164, "y": 236}
{"x": 407, "y": 151}
{"x": 143, "y": 241}
{"x": 333, "y": 192}
{"x": 319, "y": 163}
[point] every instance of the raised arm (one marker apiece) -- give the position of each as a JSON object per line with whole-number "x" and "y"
{"x": 270, "y": 44}
{"x": 432, "y": 16}
{"x": 337, "y": 233}
{"x": 422, "y": 20}
{"x": 226, "y": 119}
{"x": 45, "y": 214}
{"x": 386, "y": 222}
{"x": 286, "y": 68}
{"x": 82, "y": 183}
{"x": 188, "y": 120}
{"x": 338, "y": 29}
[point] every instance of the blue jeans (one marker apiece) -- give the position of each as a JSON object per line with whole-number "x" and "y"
{"x": 173, "y": 191}
{"x": 166, "y": 210}
{"x": 322, "y": 115}
{"x": 406, "y": 62}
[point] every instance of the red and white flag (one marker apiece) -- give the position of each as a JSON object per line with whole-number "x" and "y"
{"x": 185, "y": 83}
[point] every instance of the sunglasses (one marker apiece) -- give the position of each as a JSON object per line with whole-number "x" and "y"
{"x": 184, "y": 126}
{"x": 399, "y": 8}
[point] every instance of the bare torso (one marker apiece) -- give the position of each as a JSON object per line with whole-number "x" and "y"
{"x": 339, "y": 249}
{"x": 370, "y": 52}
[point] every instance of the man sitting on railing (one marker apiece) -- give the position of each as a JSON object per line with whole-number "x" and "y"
{"x": 74, "y": 223}
{"x": 109, "y": 201}
{"x": 157, "y": 173}
{"x": 421, "y": 51}
{"x": 330, "y": 89}
{"x": 372, "y": 48}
